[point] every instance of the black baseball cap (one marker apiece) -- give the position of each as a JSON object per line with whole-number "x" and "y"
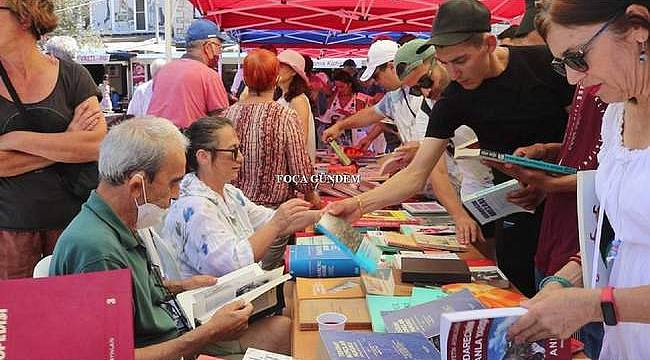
{"x": 527, "y": 24}
{"x": 457, "y": 21}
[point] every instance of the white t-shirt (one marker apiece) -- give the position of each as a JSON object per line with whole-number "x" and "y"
{"x": 401, "y": 109}
{"x": 141, "y": 99}
{"x": 311, "y": 137}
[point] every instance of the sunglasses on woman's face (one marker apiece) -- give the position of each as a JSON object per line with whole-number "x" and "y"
{"x": 575, "y": 59}
{"x": 5, "y": 8}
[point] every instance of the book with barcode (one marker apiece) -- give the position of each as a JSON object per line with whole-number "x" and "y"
{"x": 492, "y": 204}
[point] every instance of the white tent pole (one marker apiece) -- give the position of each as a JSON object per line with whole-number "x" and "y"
{"x": 157, "y": 7}
{"x": 168, "y": 29}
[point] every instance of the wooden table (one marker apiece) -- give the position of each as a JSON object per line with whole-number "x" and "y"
{"x": 305, "y": 344}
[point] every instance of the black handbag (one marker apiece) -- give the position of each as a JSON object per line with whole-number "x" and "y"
{"x": 78, "y": 179}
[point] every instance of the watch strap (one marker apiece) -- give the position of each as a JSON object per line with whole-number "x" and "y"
{"x": 608, "y": 306}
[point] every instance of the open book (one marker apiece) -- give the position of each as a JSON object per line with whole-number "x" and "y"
{"x": 492, "y": 204}
{"x": 251, "y": 284}
{"x": 481, "y": 334}
{"x": 515, "y": 160}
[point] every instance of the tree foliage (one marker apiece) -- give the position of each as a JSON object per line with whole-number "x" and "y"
{"x": 74, "y": 20}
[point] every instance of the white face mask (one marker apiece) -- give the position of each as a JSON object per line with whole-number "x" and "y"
{"x": 149, "y": 214}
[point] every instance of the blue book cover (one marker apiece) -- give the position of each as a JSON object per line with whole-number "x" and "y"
{"x": 319, "y": 261}
{"x": 347, "y": 345}
{"x": 526, "y": 162}
{"x": 425, "y": 318}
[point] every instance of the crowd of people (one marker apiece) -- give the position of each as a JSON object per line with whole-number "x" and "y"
{"x": 189, "y": 189}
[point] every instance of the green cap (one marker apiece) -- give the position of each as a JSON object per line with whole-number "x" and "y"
{"x": 457, "y": 21}
{"x": 408, "y": 58}
{"x": 527, "y": 24}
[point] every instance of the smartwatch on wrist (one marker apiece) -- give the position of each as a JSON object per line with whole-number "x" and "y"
{"x": 608, "y": 306}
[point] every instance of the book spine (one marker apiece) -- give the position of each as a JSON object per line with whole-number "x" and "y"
{"x": 345, "y": 160}
{"x": 541, "y": 165}
{"x": 323, "y": 267}
{"x": 526, "y": 162}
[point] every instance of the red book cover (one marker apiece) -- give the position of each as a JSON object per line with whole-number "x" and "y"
{"x": 75, "y": 317}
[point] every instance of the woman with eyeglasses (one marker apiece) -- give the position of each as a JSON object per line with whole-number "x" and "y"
{"x": 50, "y": 127}
{"x": 276, "y": 165}
{"x": 604, "y": 47}
{"x": 213, "y": 227}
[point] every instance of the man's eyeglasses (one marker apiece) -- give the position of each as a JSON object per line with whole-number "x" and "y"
{"x": 5, "y": 8}
{"x": 234, "y": 151}
{"x": 575, "y": 59}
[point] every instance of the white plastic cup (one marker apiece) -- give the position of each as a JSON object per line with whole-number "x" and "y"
{"x": 331, "y": 321}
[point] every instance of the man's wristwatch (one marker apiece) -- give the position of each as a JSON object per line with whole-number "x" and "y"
{"x": 608, "y": 306}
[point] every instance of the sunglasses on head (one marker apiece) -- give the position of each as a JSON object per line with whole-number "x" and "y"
{"x": 575, "y": 59}
{"x": 234, "y": 151}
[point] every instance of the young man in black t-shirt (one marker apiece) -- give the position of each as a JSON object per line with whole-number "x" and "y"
{"x": 510, "y": 97}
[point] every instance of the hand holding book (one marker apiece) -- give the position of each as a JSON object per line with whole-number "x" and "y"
{"x": 229, "y": 322}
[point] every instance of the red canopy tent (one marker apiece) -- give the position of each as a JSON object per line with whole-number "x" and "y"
{"x": 336, "y": 24}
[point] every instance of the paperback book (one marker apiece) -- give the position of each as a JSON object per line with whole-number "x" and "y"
{"x": 482, "y": 335}
{"x": 424, "y": 208}
{"x": 363, "y": 251}
{"x": 438, "y": 242}
{"x": 347, "y": 345}
{"x": 256, "y": 354}
{"x": 492, "y": 204}
{"x": 319, "y": 261}
{"x": 425, "y": 318}
{"x": 515, "y": 160}
{"x": 343, "y": 158}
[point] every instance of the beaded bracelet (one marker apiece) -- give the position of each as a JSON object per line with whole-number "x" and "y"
{"x": 558, "y": 279}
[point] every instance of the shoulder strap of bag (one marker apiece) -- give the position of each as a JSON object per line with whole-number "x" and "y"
{"x": 12, "y": 91}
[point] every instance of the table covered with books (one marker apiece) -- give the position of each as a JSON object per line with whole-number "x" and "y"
{"x": 428, "y": 293}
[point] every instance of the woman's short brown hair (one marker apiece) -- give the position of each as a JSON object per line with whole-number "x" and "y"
{"x": 38, "y": 13}
{"x": 585, "y": 12}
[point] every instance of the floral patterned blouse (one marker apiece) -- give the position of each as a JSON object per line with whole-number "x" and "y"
{"x": 209, "y": 233}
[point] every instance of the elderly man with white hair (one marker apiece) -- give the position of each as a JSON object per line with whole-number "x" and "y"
{"x": 141, "y": 163}
{"x": 63, "y": 47}
{"x": 142, "y": 95}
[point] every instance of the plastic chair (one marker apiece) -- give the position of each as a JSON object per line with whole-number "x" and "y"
{"x": 42, "y": 269}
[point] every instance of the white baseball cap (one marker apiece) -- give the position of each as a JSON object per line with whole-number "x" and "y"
{"x": 380, "y": 52}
